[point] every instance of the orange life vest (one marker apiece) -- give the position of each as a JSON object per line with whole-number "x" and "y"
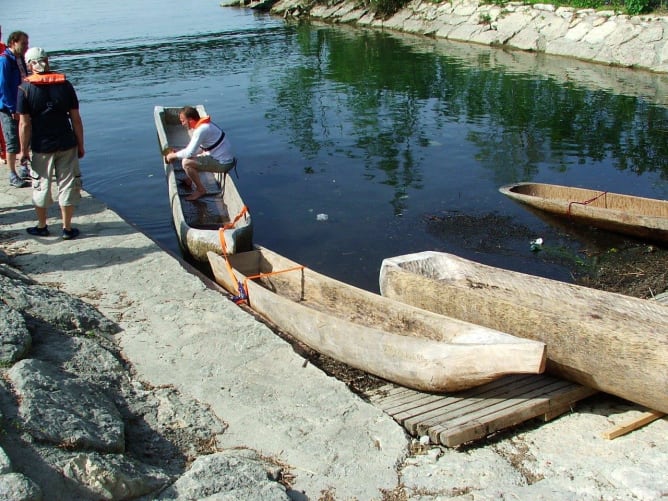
{"x": 202, "y": 121}
{"x": 45, "y": 78}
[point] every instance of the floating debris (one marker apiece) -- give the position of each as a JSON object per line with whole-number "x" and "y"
{"x": 536, "y": 245}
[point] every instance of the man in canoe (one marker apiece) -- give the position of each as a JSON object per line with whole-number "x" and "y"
{"x": 209, "y": 150}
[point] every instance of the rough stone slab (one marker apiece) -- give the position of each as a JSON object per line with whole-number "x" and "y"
{"x": 600, "y": 32}
{"x": 59, "y": 310}
{"x": 230, "y": 475}
{"x": 15, "y": 340}
{"x": 58, "y": 409}
{"x": 112, "y": 476}
{"x": 602, "y": 36}
{"x": 18, "y": 487}
{"x": 527, "y": 39}
{"x": 5, "y": 463}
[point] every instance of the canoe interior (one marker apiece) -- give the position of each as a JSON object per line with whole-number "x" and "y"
{"x": 594, "y": 198}
{"x": 327, "y": 295}
{"x": 208, "y": 212}
{"x": 305, "y": 287}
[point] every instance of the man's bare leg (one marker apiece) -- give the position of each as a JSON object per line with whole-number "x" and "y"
{"x": 67, "y": 211}
{"x": 191, "y": 171}
{"x": 41, "y": 216}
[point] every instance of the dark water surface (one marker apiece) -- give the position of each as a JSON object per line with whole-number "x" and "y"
{"x": 401, "y": 141}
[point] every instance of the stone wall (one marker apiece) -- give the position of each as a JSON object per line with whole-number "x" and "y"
{"x": 601, "y": 37}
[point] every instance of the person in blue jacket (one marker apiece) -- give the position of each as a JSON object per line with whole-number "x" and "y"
{"x": 13, "y": 70}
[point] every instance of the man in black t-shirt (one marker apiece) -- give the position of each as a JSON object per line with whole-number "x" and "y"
{"x": 50, "y": 126}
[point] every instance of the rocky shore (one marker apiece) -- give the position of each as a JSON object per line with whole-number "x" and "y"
{"x": 78, "y": 424}
{"x": 605, "y": 37}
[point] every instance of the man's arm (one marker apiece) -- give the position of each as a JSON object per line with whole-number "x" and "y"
{"x": 25, "y": 134}
{"x": 77, "y": 126}
{"x": 192, "y": 148}
{"x": 5, "y": 86}
{"x": 189, "y": 151}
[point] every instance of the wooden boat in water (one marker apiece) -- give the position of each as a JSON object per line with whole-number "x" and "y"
{"x": 389, "y": 339}
{"x": 197, "y": 222}
{"x": 607, "y": 341}
{"x": 639, "y": 217}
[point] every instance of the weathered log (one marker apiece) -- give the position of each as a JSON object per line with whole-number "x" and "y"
{"x": 607, "y": 341}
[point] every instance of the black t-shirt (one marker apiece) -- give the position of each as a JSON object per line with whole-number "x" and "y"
{"x": 48, "y": 106}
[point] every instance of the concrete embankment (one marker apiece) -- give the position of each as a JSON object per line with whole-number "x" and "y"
{"x": 176, "y": 331}
{"x": 597, "y": 36}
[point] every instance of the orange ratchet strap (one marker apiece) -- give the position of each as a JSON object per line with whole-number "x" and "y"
{"x": 242, "y": 291}
{"x": 587, "y": 202}
{"x": 223, "y": 245}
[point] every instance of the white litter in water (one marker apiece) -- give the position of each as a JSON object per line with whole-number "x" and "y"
{"x": 322, "y": 217}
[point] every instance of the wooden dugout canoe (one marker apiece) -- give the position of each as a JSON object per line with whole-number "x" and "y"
{"x": 392, "y": 340}
{"x": 197, "y": 222}
{"x": 607, "y": 341}
{"x": 639, "y": 217}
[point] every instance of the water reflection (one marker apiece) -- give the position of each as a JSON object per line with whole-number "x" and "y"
{"x": 378, "y": 131}
{"x": 390, "y": 99}
{"x": 386, "y": 93}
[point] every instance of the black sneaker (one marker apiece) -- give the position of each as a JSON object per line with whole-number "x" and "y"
{"x": 38, "y": 232}
{"x": 70, "y": 234}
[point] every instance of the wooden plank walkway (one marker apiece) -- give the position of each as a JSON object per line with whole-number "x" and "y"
{"x": 456, "y": 418}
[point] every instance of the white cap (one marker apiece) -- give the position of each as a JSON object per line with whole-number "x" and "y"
{"x": 35, "y": 54}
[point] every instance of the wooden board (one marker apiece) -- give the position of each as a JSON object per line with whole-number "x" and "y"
{"x": 633, "y": 424}
{"x": 457, "y": 418}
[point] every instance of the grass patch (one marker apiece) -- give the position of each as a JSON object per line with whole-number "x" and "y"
{"x": 387, "y": 8}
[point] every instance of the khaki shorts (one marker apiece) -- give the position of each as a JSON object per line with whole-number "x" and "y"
{"x": 207, "y": 163}
{"x": 63, "y": 166}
